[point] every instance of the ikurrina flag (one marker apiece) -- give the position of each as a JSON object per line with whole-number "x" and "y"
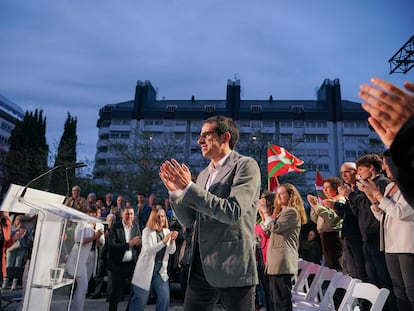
{"x": 319, "y": 186}
{"x": 280, "y": 161}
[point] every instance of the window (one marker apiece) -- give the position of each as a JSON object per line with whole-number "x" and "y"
{"x": 298, "y": 123}
{"x": 180, "y": 123}
{"x": 316, "y": 138}
{"x": 285, "y": 123}
{"x": 171, "y": 108}
{"x": 323, "y": 167}
{"x": 285, "y": 138}
{"x": 256, "y": 108}
{"x": 355, "y": 124}
{"x": 297, "y": 109}
{"x": 209, "y": 108}
{"x": 268, "y": 124}
{"x": 316, "y": 124}
{"x": 119, "y": 134}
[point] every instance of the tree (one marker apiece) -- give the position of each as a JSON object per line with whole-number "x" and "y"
{"x": 134, "y": 166}
{"x": 66, "y": 154}
{"x": 27, "y": 156}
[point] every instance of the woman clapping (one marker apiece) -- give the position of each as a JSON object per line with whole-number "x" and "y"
{"x": 158, "y": 242}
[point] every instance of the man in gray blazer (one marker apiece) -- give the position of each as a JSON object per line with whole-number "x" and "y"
{"x": 222, "y": 207}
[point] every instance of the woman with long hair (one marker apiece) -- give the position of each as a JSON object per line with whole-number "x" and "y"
{"x": 282, "y": 252}
{"x": 158, "y": 242}
{"x": 267, "y": 201}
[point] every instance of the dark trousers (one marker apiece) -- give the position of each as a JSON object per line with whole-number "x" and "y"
{"x": 118, "y": 277}
{"x": 354, "y": 258}
{"x": 332, "y": 250}
{"x": 280, "y": 292}
{"x": 377, "y": 271}
{"x": 201, "y": 296}
{"x": 101, "y": 272}
{"x": 263, "y": 279}
{"x": 401, "y": 268}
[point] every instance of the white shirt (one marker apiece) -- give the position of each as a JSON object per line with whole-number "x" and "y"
{"x": 128, "y": 254}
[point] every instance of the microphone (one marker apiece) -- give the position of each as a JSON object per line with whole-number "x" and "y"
{"x": 70, "y": 165}
{"x": 75, "y": 165}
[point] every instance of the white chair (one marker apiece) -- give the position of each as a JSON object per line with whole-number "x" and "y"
{"x": 316, "y": 290}
{"x": 303, "y": 282}
{"x": 377, "y": 297}
{"x": 301, "y": 264}
{"x": 339, "y": 281}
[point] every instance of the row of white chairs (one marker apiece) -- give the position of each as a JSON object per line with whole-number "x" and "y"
{"x": 309, "y": 295}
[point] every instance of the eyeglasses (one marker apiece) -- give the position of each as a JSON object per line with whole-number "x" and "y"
{"x": 204, "y": 135}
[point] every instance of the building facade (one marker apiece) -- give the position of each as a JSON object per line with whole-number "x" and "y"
{"x": 10, "y": 113}
{"x": 324, "y": 132}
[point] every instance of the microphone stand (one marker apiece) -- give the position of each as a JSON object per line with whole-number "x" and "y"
{"x": 37, "y": 178}
{"x": 73, "y": 165}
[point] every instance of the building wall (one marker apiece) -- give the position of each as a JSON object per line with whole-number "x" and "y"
{"x": 323, "y": 132}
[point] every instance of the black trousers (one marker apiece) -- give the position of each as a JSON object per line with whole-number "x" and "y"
{"x": 118, "y": 277}
{"x": 201, "y": 296}
{"x": 280, "y": 292}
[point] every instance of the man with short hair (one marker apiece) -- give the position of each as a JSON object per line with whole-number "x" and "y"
{"x": 76, "y": 201}
{"x": 124, "y": 243}
{"x": 222, "y": 206}
{"x": 369, "y": 168}
{"x": 350, "y": 233}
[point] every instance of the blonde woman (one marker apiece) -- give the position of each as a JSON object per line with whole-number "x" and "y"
{"x": 158, "y": 242}
{"x": 282, "y": 252}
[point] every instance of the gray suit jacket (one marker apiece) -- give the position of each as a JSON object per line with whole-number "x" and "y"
{"x": 282, "y": 250}
{"x": 225, "y": 217}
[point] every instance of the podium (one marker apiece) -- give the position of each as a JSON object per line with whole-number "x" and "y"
{"x": 52, "y": 220}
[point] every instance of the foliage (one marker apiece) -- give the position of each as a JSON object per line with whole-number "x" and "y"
{"x": 66, "y": 154}
{"x": 135, "y": 165}
{"x": 27, "y": 157}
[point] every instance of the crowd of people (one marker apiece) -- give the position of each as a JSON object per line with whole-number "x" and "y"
{"x": 238, "y": 246}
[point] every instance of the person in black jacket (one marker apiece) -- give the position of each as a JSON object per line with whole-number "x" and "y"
{"x": 124, "y": 243}
{"x": 391, "y": 112}
{"x": 369, "y": 168}
{"x": 350, "y": 233}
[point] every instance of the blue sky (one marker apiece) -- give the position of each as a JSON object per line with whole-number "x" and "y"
{"x": 77, "y": 56}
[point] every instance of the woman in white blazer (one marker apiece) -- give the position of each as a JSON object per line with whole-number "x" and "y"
{"x": 91, "y": 232}
{"x": 158, "y": 242}
{"x": 397, "y": 230}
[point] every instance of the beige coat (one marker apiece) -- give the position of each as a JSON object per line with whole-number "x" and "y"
{"x": 282, "y": 250}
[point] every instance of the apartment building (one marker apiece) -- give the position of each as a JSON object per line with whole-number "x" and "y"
{"x": 324, "y": 132}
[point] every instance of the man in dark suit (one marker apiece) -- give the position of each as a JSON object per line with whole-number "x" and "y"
{"x": 222, "y": 206}
{"x": 124, "y": 243}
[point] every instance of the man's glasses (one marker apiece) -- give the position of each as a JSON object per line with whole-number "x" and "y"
{"x": 207, "y": 134}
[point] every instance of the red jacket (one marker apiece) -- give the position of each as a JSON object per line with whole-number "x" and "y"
{"x": 7, "y": 242}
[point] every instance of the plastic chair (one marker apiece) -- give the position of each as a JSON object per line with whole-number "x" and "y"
{"x": 317, "y": 289}
{"x": 303, "y": 282}
{"x": 377, "y": 297}
{"x": 339, "y": 281}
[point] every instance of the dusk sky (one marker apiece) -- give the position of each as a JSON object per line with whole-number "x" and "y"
{"x": 77, "y": 56}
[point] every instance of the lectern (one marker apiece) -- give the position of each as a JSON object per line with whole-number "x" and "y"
{"x": 46, "y": 260}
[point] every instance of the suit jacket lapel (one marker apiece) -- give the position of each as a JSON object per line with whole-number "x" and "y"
{"x": 203, "y": 178}
{"x": 227, "y": 167}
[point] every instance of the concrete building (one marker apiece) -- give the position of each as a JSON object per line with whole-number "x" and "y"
{"x": 10, "y": 113}
{"x": 324, "y": 132}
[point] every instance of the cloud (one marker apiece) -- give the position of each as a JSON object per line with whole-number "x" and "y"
{"x": 78, "y": 56}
